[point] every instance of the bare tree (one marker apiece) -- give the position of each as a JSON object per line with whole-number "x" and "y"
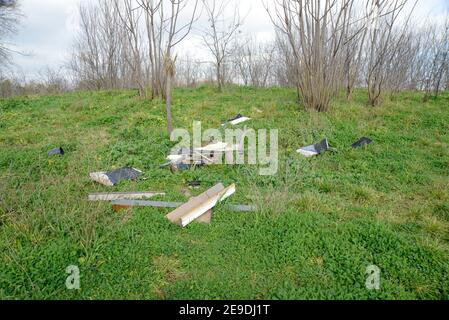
{"x": 154, "y": 23}
{"x": 53, "y": 81}
{"x": 219, "y": 36}
{"x": 286, "y": 66}
{"x": 189, "y": 71}
{"x": 99, "y": 50}
{"x": 353, "y": 51}
{"x": 384, "y": 15}
{"x": 254, "y": 62}
{"x": 165, "y": 30}
{"x": 438, "y": 60}
{"x": 130, "y": 21}
{"x": 9, "y": 19}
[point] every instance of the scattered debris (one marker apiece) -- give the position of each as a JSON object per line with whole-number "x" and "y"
{"x": 175, "y": 167}
{"x": 362, "y": 142}
{"x": 198, "y": 206}
{"x": 112, "y": 196}
{"x": 212, "y": 153}
{"x": 315, "y": 149}
{"x": 237, "y": 120}
{"x": 112, "y": 178}
{"x": 56, "y": 151}
{"x": 183, "y": 159}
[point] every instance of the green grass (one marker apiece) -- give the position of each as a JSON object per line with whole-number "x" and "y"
{"x": 323, "y": 220}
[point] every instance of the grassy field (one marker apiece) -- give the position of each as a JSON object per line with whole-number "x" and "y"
{"x": 322, "y": 222}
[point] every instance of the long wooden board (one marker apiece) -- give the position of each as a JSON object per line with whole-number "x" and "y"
{"x": 112, "y": 196}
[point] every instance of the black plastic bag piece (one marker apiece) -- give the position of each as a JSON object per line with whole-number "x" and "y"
{"x": 362, "y": 142}
{"x": 194, "y": 184}
{"x": 123, "y": 174}
{"x": 321, "y": 146}
{"x": 237, "y": 117}
{"x": 56, "y": 151}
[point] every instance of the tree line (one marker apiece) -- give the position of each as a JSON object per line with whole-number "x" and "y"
{"x": 322, "y": 48}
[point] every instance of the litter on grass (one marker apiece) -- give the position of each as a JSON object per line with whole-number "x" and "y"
{"x": 113, "y": 177}
{"x": 56, "y": 151}
{"x": 237, "y": 120}
{"x": 314, "y": 150}
{"x": 362, "y": 142}
{"x": 197, "y": 208}
{"x": 112, "y": 196}
{"x": 212, "y": 153}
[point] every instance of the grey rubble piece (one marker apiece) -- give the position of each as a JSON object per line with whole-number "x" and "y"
{"x": 56, "y": 151}
{"x": 163, "y": 204}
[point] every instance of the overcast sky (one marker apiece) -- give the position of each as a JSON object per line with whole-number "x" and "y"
{"x": 48, "y": 28}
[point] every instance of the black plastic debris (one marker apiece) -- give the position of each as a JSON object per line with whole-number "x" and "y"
{"x": 175, "y": 167}
{"x": 113, "y": 177}
{"x": 362, "y": 142}
{"x": 236, "y": 117}
{"x": 56, "y": 151}
{"x": 236, "y": 120}
{"x": 194, "y": 184}
{"x": 315, "y": 149}
{"x": 180, "y": 166}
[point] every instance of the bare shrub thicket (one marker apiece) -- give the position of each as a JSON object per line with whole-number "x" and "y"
{"x": 317, "y": 32}
{"x": 254, "y": 62}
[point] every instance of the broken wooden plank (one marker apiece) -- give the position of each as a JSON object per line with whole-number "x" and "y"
{"x": 112, "y": 196}
{"x": 197, "y": 206}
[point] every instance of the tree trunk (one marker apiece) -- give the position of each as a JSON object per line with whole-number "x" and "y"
{"x": 168, "y": 104}
{"x": 219, "y": 75}
{"x": 169, "y": 70}
{"x": 349, "y": 92}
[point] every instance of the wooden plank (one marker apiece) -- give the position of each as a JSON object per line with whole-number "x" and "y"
{"x": 198, "y": 206}
{"x": 126, "y": 204}
{"x": 112, "y": 196}
{"x": 175, "y": 216}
